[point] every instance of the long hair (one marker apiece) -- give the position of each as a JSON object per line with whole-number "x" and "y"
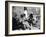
{"x": 31, "y": 16}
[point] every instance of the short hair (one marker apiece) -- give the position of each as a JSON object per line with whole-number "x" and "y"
{"x": 25, "y": 8}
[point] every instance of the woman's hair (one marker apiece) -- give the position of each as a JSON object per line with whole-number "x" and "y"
{"x": 25, "y": 8}
{"x": 31, "y": 15}
{"x": 22, "y": 15}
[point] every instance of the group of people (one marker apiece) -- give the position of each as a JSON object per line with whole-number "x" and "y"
{"x": 23, "y": 23}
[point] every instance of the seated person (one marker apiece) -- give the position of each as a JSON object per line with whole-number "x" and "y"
{"x": 30, "y": 20}
{"x": 16, "y": 24}
{"x": 25, "y": 22}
